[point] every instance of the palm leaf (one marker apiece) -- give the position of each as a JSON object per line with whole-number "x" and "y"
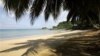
{"x": 81, "y": 7}
{"x": 70, "y": 14}
{"x": 18, "y": 6}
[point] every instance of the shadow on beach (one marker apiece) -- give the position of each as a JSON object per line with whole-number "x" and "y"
{"x": 65, "y": 45}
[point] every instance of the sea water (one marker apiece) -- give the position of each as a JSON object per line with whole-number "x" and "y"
{"x": 18, "y": 33}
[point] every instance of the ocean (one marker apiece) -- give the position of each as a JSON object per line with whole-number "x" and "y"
{"x": 17, "y": 33}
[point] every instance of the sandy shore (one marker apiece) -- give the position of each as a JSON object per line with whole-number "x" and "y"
{"x": 7, "y": 44}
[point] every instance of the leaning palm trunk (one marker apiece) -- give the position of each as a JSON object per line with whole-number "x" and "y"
{"x": 78, "y": 9}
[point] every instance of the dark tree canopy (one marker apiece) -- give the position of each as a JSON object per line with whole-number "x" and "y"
{"x": 86, "y": 11}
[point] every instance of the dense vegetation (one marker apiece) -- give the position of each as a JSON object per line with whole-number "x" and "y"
{"x": 64, "y": 25}
{"x": 70, "y": 25}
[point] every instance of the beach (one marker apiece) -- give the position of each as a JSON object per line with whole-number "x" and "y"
{"x": 9, "y": 45}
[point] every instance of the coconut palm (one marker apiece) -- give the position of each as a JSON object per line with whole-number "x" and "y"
{"x": 85, "y": 11}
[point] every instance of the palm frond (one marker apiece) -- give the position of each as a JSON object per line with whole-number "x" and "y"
{"x": 70, "y": 14}
{"x": 36, "y": 9}
{"x": 81, "y": 7}
{"x": 18, "y": 6}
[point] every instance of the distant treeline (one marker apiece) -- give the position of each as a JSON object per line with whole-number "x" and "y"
{"x": 78, "y": 25}
{"x": 64, "y": 25}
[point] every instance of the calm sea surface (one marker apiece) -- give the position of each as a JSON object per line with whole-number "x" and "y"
{"x": 17, "y": 33}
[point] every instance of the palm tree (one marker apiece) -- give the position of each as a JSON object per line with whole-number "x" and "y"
{"x": 87, "y": 11}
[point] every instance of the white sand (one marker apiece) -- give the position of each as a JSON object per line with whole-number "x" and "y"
{"x": 6, "y": 44}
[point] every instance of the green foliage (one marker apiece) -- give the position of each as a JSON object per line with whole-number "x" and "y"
{"x": 64, "y": 25}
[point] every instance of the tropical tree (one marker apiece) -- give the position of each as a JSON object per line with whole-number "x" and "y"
{"x": 85, "y": 11}
{"x": 64, "y": 25}
{"x": 80, "y": 11}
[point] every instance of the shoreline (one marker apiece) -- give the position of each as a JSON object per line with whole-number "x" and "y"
{"x": 58, "y": 32}
{"x": 6, "y": 44}
{"x": 34, "y": 35}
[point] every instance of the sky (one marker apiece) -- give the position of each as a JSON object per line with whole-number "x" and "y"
{"x": 7, "y": 20}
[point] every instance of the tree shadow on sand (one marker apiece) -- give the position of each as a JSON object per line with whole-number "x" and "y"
{"x": 78, "y": 46}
